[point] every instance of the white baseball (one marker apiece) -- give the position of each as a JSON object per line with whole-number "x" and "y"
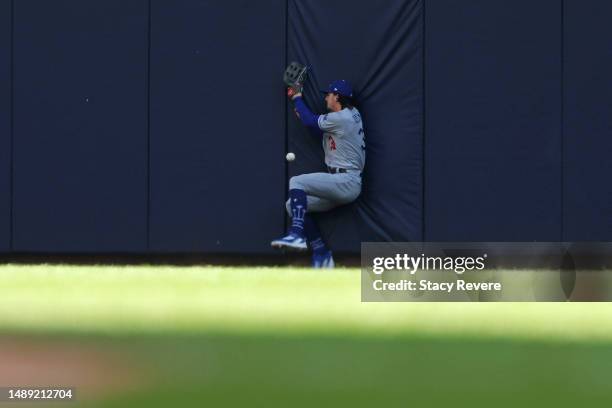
{"x": 290, "y": 156}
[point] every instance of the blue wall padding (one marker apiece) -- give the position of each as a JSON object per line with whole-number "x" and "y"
{"x": 380, "y": 53}
{"x": 493, "y": 120}
{"x": 217, "y": 125}
{"x": 80, "y": 159}
{"x": 159, "y": 126}
{"x": 587, "y": 214}
{"x": 5, "y": 125}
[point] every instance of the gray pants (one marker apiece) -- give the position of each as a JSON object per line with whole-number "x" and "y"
{"x": 325, "y": 191}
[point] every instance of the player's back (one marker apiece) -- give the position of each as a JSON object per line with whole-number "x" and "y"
{"x": 343, "y": 139}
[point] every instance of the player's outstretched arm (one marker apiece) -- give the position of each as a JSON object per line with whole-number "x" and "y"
{"x": 306, "y": 116}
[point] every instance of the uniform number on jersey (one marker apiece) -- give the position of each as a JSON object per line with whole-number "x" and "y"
{"x": 363, "y": 135}
{"x": 332, "y": 143}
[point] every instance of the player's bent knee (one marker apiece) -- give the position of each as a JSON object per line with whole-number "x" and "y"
{"x": 295, "y": 182}
{"x": 292, "y": 183}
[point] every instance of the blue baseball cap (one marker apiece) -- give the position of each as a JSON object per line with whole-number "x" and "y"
{"x": 341, "y": 87}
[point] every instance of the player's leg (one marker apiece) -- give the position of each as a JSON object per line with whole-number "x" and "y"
{"x": 296, "y": 237}
{"x": 315, "y": 192}
{"x": 302, "y": 225}
{"x": 314, "y": 204}
{"x": 297, "y": 205}
{"x": 324, "y": 192}
{"x": 339, "y": 189}
{"x": 321, "y": 255}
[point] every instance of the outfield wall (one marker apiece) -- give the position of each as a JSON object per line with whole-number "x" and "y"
{"x": 155, "y": 126}
{"x": 5, "y": 125}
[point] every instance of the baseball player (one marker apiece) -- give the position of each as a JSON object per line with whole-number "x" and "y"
{"x": 342, "y": 135}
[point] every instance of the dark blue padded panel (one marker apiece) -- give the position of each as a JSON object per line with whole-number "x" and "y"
{"x": 588, "y": 121}
{"x": 377, "y": 45}
{"x": 217, "y": 125}
{"x": 493, "y": 120}
{"x": 80, "y": 125}
{"x": 5, "y": 125}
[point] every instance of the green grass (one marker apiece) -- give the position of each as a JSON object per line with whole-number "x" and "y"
{"x": 209, "y": 336}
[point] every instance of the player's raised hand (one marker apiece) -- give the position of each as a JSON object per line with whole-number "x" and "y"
{"x": 294, "y": 77}
{"x": 293, "y": 92}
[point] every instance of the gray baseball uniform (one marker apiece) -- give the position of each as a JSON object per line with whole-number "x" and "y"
{"x": 344, "y": 146}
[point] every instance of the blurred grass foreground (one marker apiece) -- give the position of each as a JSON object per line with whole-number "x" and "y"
{"x": 159, "y": 336}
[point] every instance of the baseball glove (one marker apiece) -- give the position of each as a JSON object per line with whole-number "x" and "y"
{"x": 295, "y": 76}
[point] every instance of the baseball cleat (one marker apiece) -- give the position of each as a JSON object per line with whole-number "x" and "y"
{"x": 324, "y": 260}
{"x": 291, "y": 241}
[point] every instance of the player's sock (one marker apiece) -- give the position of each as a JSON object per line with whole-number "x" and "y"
{"x": 318, "y": 246}
{"x": 298, "y": 211}
{"x": 314, "y": 235}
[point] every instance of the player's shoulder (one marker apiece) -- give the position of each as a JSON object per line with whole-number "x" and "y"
{"x": 354, "y": 114}
{"x": 333, "y": 116}
{"x": 349, "y": 116}
{"x": 341, "y": 119}
{"x": 343, "y": 115}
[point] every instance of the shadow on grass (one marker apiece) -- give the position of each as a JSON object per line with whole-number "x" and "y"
{"x": 310, "y": 371}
